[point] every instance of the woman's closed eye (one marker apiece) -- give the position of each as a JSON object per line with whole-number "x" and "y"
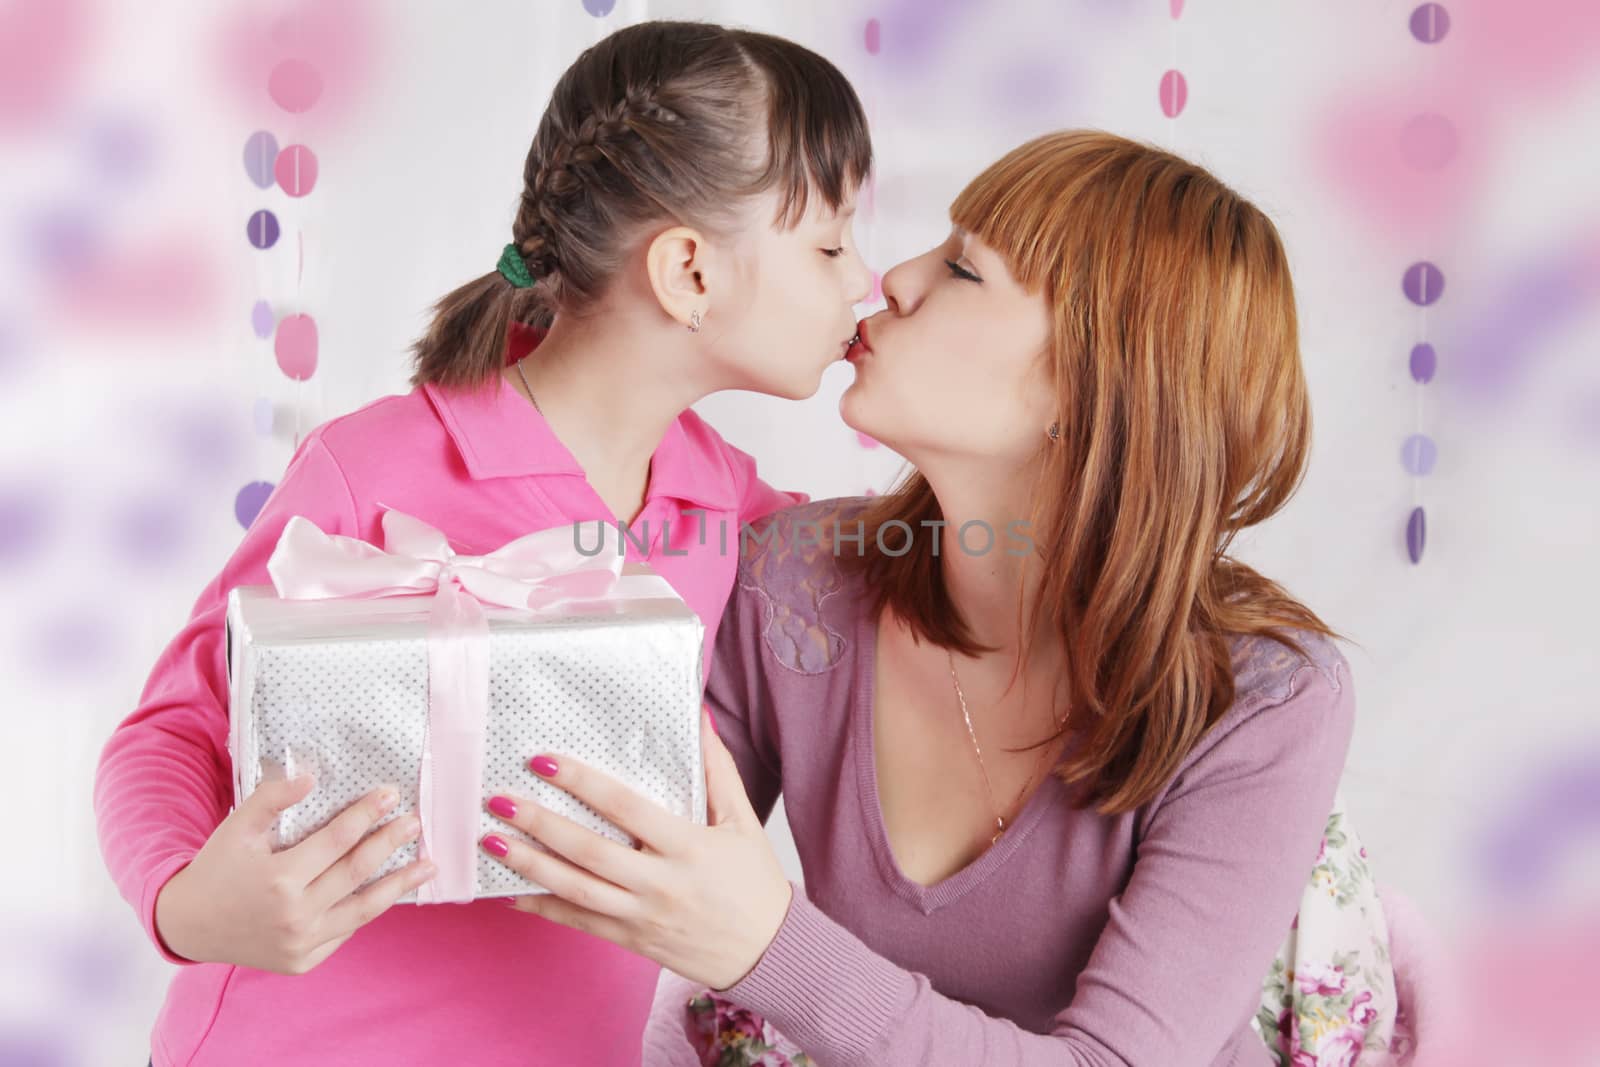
{"x": 833, "y": 253}
{"x": 961, "y": 272}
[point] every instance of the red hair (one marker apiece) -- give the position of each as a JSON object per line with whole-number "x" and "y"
{"x": 1184, "y": 419}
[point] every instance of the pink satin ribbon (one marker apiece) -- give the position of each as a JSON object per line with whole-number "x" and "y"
{"x": 535, "y": 573}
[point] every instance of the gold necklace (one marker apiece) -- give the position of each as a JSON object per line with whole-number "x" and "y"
{"x": 524, "y": 376}
{"x": 999, "y": 819}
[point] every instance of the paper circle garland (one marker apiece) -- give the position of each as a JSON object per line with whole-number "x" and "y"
{"x": 1429, "y": 23}
{"x": 247, "y": 504}
{"x": 1174, "y": 93}
{"x": 263, "y": 229}
{"x": 295, "y": 86}
{"x": 1424, "y": 361}
{"x": 259, "y": 153}
{"x": 296, "y": 170}
{"x": 296, "y": 346}
{"x": 1423, "y": 283}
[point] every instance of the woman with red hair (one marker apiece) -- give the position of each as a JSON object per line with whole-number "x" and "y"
{"x": 1059, "y": 769}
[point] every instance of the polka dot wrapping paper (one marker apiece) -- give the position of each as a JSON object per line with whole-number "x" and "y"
{"x": 339, "y": 689}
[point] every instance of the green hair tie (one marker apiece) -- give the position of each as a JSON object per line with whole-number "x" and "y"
{"x": 514, "y": 267}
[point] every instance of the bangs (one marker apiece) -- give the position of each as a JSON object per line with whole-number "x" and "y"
{"x": 817, "y": 137}
{"x": 1022, "y": 205}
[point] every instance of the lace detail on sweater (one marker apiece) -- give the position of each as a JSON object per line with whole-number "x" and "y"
{"x": 790, "y": 567}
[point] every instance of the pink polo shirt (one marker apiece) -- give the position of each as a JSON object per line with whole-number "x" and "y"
{"x": 470, "y": 983}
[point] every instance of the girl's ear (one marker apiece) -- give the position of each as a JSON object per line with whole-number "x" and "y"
{"x": 676, "y": 262}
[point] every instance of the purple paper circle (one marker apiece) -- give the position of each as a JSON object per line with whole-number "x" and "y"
{"x": 1429, "y": 141}
{"x": 247, "y": 505}
{"x": 599, "y": 8}
{"x": 1423, "y": 283}
{"x": 260, "y": 152}
{"x": 1416, "y": 534}
{"x": 261, "y": 319}
{"x": 1424, "y": 361}
{"x": 1419, "y": 454}
{"x": 263, "y": 229}
{"x": 1429, "y": 23}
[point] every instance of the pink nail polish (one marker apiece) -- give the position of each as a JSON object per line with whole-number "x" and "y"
{"x": 503, "y": 807}
{"x": 496, "y": 846}
{"x": 543, "y": 765}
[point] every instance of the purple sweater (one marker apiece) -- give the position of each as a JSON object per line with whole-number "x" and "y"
{"x": 1139, "y": 939}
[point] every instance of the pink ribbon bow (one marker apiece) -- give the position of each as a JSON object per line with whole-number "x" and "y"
{"x": 535, "y": 573}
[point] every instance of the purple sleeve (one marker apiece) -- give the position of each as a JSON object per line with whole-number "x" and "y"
{"x": 1220, "y": 869}
{"x": 738, "y": 694}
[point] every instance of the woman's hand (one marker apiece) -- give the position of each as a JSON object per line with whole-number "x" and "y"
{"x": 703, "y": 901}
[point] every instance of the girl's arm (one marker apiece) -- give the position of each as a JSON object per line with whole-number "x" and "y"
{"x": 165, "y": 780}
{"x": 1177, "y": 970}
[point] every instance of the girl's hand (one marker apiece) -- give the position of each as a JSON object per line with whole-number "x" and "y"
{"x": 703, "y": 901}
{"x": 239, "y": 902}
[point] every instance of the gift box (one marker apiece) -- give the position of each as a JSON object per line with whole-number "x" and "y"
{"x": 443, "y": 674}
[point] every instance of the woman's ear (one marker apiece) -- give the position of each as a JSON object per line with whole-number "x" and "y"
{"x": 676, "y": 262}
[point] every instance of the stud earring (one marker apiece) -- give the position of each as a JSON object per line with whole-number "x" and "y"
{"x": 1054, "y": 432}
{"x": 694, "y": 321}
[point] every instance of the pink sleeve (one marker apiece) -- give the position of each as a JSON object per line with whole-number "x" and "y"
{"x": 756, "y": 497}
{"x": 1179, "y": 964}
{"x": 164, "y": 781}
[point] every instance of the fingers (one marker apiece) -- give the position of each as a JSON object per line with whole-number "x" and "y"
{"x": 260, "y": 810}
{"x": 583, "y": 889}
{"x": 357, "y": 865}
{"x": 360, "y": 908}
{"x": 311, "y": 857}
{"x": 580, "y": 846}
{"x": 576, "y": 916}
{"x": 639, "y": 816}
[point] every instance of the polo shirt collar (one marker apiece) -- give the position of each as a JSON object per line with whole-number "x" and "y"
{"x": 500, "y": 435}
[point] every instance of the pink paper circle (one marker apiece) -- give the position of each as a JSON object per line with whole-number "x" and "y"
{"x": 1174, "y": 93}
{"x": 294, "y": 85}
{"x": 864, "y": 441}
{"x": 296, "y": 346}
{"x": 296, "y": 170}
{"x": 874, "y": 37}
{"x": 1176, "y": 7}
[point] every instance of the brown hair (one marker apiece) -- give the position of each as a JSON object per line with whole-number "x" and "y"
{"x": 659, "y": 121}
{"x": 1183, "y": 419}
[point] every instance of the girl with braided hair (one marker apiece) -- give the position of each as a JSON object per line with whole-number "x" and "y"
{"x": 683, "y": 228}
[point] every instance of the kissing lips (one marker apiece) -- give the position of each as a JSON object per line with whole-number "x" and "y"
{"x": 858, "y": 344}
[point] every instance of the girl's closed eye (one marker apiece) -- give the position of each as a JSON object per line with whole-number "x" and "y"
{"x": 961, "y": 272}
{"x": 833, "y": 253}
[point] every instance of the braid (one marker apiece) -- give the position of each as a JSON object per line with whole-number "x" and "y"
{"x": 567, "y": 170}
